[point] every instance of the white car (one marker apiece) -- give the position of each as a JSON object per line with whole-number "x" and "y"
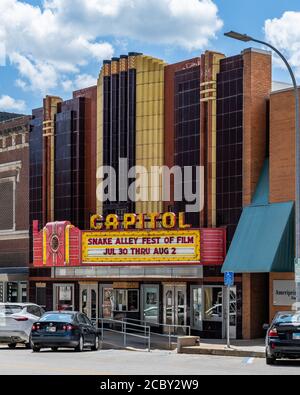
{"x": 16, "y": 320}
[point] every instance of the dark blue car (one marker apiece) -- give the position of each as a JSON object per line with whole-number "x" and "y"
{"x": 283, "y": 337}
{"x": 64, "y": 330}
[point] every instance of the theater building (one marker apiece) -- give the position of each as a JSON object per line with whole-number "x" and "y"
{"x": 164, "y": 264}
{"x": 14, "y": 207}
{"x": 164, "y": 289}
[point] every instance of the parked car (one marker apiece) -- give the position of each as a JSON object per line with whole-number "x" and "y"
{"x": 16, "y": 321}
{"x": 283, "y": 337}
{"x": 64, "y": 329}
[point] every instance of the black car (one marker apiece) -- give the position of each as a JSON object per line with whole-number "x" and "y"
{"x": 64, "y": 330}
{"x": 283, "y": 337}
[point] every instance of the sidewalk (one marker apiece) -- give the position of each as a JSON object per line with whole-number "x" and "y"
{"x": 239, "y": 348}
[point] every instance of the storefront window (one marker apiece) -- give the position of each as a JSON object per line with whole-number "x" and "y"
{"x": 16, "y": 292}
{"x": 121, "y": 300}
{"x": 213, "y": 304}
{"x": 64, "y": 297}
{"x": 133, "y": 302}
{"x": 126, "y": 300}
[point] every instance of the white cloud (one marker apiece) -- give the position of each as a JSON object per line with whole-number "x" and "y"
{"x": 52, "y": 43}
{"x": 284, "y": 34}
{"x": 189, "y": 24}
{"x": 40, "y": 75}
{"x": 8, "y": 103}
{"x": 81, "y": 81}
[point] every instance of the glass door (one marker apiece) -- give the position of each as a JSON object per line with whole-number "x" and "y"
{"x": 175, "y": 308}
{"x": 89, "y": 301}
{"x": 196, "y": 308}
{"x": 1, "y": 292}
{"x": 180, "y": 306}
{"x": 150, "y": 304}
{"x": 233, "y": 314}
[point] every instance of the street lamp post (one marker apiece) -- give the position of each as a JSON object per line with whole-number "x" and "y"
{"x": 246, "y": 38}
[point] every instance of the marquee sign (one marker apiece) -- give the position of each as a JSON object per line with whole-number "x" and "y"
{"x": 141, "y": 247}
{"x": 59, "y": 244}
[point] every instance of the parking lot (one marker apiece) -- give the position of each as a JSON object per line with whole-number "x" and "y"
{"x": 115, "y": 362}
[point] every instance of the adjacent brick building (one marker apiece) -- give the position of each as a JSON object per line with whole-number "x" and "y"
{"x": 14, "y": 208}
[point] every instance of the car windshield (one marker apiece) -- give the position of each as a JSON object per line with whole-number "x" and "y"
{"x": 290, "y": 318}
{"x": 10, "y": 309}
{"x": 57, "y": 318}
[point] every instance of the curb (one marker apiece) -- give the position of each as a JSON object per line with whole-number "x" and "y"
{"x": 222, "y": 352}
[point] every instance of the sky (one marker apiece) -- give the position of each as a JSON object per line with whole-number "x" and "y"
{"x": 57, "y": 46}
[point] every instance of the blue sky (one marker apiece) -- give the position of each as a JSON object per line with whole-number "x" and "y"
{"x": 41, "y": 60}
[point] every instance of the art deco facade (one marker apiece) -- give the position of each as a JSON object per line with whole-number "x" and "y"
{"x": 62, "y": 156}
{"x": 131, "y": 121}
{"x": 62, "y": 169}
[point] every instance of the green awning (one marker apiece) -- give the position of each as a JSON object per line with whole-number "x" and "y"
{"x": 264, "y": 241}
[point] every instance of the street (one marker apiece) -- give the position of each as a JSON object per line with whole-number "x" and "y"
{"x": 118, "y": 362}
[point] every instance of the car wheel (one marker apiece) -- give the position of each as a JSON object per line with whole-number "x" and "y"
{"x": 97, "y": 344}
{"x": 54, "y": 349}
{"x": 79, "y": 348}
{"x": 36, "y": 349}
{"x": 270, "y": 361}
{"x": 12, "y": 346}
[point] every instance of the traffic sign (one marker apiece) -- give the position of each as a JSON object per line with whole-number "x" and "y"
{"x": 229, "y": 279}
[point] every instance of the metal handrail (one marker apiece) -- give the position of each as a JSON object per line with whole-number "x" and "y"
{"x": 169, "y": 335}
{"x": 158, "y": 324}
{"x": 125, "y": 327}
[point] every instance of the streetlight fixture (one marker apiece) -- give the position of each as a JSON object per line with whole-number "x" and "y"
{"x": 247, "y": 38}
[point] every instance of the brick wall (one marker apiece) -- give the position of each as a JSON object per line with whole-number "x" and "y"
{"x": 282, "y": 146}
{"x": 257, "y": 88}
{"x": 255, "y": 305}
{"x": 14, "y": 135}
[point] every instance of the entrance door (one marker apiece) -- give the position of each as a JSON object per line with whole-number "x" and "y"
{"x": 175, "y": 308}
{"x": 150, "y": 303}
{"x": 196, "y": 307}
{"x": 107, "y": 301}
{"x": 89, "y": 300}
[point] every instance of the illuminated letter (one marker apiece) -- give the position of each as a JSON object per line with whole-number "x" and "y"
{"x": 112, "y": 222}
{"x": 182, "y": 224}
{"x": 169, "y": 221}
{"x": 153, "y": 219}
{"x": 129, "y": 220}
{"x": 96, "y": 222}
{"x": 140, "y": 221}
